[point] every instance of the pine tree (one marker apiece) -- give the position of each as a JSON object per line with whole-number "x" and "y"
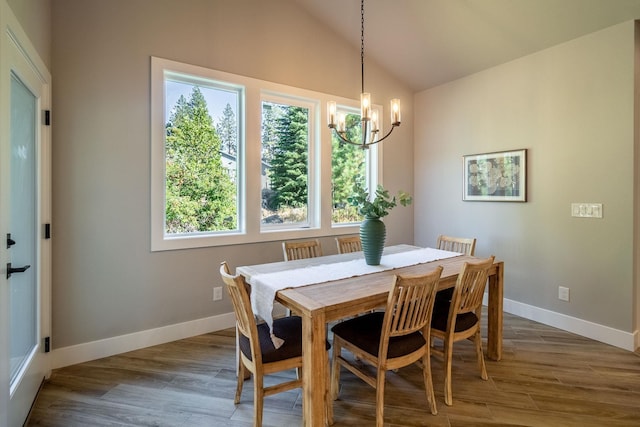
{"x": 227, "y": 130}
{"x": 270, "y": 114}
{"x": 200, "y": 193}
{"x": 289, "y": 166}
{"x": 347, "y": 161}
{"x": 347, "y": 165}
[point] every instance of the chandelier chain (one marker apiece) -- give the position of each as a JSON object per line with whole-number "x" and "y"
{"x": 362, "y": 43}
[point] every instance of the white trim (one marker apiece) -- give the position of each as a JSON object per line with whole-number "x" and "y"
{"x": 18, "y": 55}
{"x": 108, "y": 347}
{"x": 605, "y": 334}
{"x": 85, "y": 352}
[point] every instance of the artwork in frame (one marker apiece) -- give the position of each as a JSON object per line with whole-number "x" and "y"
{"x": 497, "y": 177}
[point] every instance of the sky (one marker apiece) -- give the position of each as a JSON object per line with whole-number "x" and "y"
{"x": 216, "y": 98}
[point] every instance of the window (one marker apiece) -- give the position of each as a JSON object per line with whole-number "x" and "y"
{"x": 238, "y": 160}
{"x": 201, "y": 148}
{"x": 287, "y": 167}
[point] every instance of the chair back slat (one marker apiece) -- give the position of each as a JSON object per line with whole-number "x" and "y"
{"x": 348, "y": 244}
{"x": 410, "y": 303}
{"x": 301, "y": 250}
{"x": 469, "y": 291}
{"x": 462, "y": 245}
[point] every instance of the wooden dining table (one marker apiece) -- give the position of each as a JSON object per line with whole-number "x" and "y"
{"x": 329, "y": 301}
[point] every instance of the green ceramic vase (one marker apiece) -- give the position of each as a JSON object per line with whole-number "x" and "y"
{"x": 372, "y": 235}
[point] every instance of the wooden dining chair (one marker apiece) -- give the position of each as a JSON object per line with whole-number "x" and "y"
{"x": 257, "y": 353}
{"x": 388, "y": 340}
{"x": 348, "y": 244}
{"x": 461, "y": 319}
{"x": 463, "y": 245}
{"x": 301, "y": 249}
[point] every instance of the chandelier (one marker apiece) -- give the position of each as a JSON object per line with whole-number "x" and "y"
{"x": 368, "y": 117}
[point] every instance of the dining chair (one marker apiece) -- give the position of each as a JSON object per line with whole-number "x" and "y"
{"x": 347, "y": 244}
{"x": 461, "y": 319}
{"x": 301, "y": 249}
{"x": 390, "y": 339}
{"x": 463, "y": 245}
{"x": 257, "y": 353}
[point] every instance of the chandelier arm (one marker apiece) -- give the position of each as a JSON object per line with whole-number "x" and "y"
{"x": 393, "y": 126}
{"x": 347, "y": 141}
{"x": 363, "y": 145}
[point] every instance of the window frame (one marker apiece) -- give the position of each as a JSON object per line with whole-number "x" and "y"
{"x": 313, "y": 172}
{"x": 250, "y": 229}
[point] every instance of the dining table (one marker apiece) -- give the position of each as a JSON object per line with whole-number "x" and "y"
{"x": 329, "y": 300}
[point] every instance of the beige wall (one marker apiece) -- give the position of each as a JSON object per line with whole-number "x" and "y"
{"x": 572, "y": 107}
{"x": 106, "y": 282}
{"x": 35, "y": 18}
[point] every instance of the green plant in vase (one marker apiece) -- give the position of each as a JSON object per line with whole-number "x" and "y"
{"x": 372, "y": 229}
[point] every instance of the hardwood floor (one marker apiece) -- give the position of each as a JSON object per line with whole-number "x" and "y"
{"x": 547, "y": 377}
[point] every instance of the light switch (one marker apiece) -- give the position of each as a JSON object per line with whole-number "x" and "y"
{"x": 586, "y": 210}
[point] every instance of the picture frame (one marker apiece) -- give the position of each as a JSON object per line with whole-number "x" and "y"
{"x": 496, "y": 177}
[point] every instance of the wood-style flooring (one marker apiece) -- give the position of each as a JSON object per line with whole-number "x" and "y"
{"x": 547, "y": 377}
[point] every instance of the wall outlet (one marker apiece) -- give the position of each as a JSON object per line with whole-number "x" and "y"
{"x": 217, "y": 293}
{"x": 563, "y": 293}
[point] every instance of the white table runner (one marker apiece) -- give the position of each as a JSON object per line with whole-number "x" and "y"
{"x": 265, "y": 286}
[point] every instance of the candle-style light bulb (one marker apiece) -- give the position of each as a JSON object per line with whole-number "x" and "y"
{"x": 365, "y": 106}
{"x": 374, "y": 121}
{"x": 342, "y": 122}
{"x": 395, "y": 111}
{"x": 331, "y": 113}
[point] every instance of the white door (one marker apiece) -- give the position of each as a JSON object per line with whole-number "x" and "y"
{"x": 24, "y": 211}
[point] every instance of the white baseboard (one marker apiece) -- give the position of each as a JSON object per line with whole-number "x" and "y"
{"x": 85, "y": 352}
{"x": 605, "y": 334}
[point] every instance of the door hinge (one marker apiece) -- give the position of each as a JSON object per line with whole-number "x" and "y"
{"x": 10, "y": 241}
{"x": 47, "y": 344}
{"x": 47, "y": 231}
{"x": 47, "y": 117}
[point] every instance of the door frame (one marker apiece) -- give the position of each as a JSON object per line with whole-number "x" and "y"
{"x": 12, "y": 33}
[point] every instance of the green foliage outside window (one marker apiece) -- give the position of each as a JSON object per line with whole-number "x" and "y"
{"x": 227, "y": 130}
{"x": 285, "y": 154}
{"x": 200, "y": 193}
{"x": 347, "y": 163}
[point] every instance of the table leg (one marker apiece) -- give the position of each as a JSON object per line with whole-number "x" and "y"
{"x": 494, "y": 321}
{"x": 314, "y": 369}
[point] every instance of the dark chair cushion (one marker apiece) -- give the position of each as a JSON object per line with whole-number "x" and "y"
{"x": 289, "y": 329}
{"x": 440, "y": 317}
{"x": 364, "y": 332}
{"x": 443, "y": 299}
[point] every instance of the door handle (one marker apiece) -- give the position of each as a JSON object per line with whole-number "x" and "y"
{"x": 11, "y": 270}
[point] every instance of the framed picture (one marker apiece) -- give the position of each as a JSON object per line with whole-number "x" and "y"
{"x": 496, "y": 177}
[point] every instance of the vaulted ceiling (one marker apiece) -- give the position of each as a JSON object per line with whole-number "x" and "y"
{"x": 429, "y": 42}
